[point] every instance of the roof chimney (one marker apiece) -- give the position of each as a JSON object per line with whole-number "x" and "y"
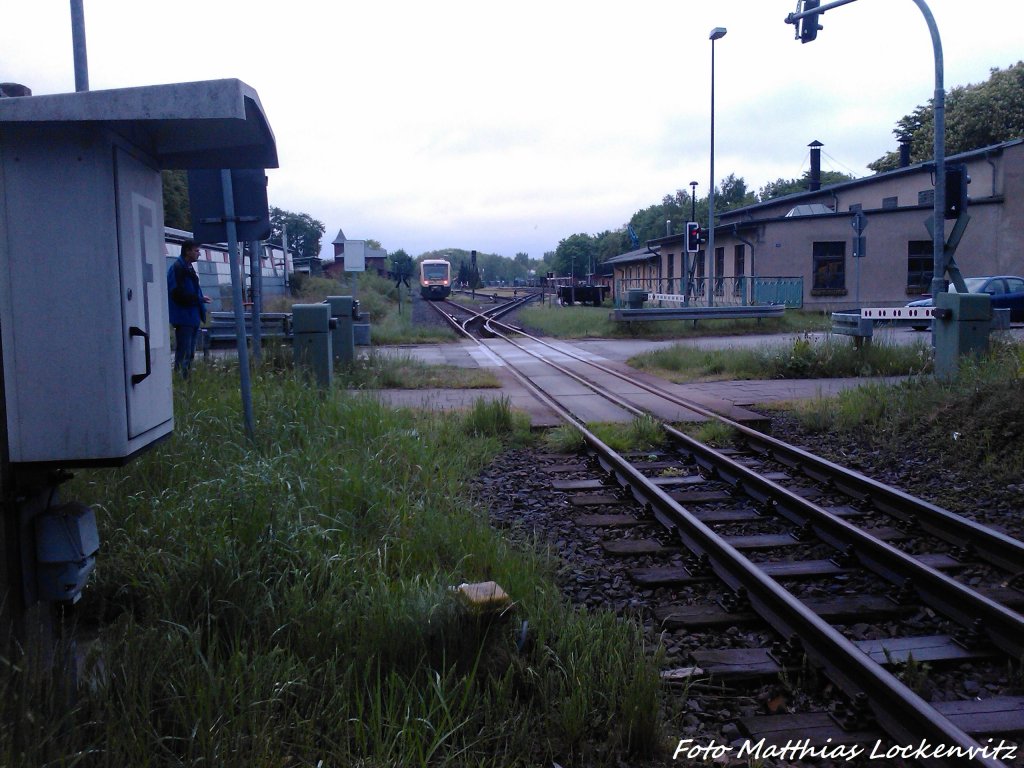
{"x": 904, "y": 153}
{"x": 815, "y": 181}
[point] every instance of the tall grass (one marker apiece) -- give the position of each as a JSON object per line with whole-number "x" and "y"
{"x": 974, "y": 420}
{"x": 287, "y": 602}
{"x": 586, "y": 322}
{"x": 803, "y": 358}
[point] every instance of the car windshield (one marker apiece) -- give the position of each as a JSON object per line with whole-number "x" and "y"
{"x": 974, "y": 284}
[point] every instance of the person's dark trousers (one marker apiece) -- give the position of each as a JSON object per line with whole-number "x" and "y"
{"x": 184, "y": 348}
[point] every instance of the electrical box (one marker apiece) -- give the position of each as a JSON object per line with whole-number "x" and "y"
{"x": 962, "y": 325}
{"x": 83, "y": 294}
{"x": 66, "y": 545}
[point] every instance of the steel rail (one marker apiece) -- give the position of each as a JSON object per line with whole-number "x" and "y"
{"x": 992, "y": 546}
{"x": 898, "y": 710}
{"x": 1003, "y": 626}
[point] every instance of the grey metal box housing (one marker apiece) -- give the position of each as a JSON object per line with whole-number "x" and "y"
{"x": 83, "y": 298}
{"x": 83, "y": 293}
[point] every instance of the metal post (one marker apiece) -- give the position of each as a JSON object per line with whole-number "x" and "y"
{"x": 284, "y": 248}
{"x": 236, "y": 299}
{"x": 78, "y": 44}
{"x": 939, "y": 201}
{"x": 256, "y": 287}
{"x": 716, "y": 34}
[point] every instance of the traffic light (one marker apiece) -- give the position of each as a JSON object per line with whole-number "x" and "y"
{"x": 956, "y": 190}
{"x": 809, "y": 25}
{"x": 692, "y": 237}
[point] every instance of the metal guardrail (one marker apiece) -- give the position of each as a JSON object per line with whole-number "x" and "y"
{"x": 221, "y": 327}
{"x": 697, "y": 313}
{"x": 740, "y": 291}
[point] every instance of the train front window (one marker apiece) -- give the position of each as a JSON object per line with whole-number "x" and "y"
{"x": 435, "y": 271}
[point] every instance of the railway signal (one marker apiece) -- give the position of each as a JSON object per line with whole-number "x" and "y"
{"x": 956, "y": 190}
{"x": 692, "y": 237}
{"x": 809, "y": 25}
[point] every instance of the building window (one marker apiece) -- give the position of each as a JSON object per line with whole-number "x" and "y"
{"x": 671, "y": 270}
{"x": 920, "y": 266}
{"x": 719, "y": 271}
{"x": 890, "y": 203}
{"x": 926, "y": 197}
{"x": 829, "y": 268}
{"x": 739, "y": 264}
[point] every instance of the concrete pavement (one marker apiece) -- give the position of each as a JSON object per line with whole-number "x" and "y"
{"x": 729, "y": 397}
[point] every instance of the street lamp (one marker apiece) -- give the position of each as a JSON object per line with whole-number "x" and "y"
{"x": 693, "y": 201}
{"x": 716, "y": 34}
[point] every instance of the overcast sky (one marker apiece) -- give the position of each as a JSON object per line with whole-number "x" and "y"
{"x": 507, "y": 127}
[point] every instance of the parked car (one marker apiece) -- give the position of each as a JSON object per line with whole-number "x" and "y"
{"x": 1007, "y": 292}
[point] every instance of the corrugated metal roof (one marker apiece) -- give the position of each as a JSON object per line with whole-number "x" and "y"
{"x": 640, "y": 254}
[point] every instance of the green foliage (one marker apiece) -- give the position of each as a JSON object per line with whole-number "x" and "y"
{"x": 645, "y": 432}
{"x": 974, "y": 421}
{"x": 574, "y": 256}
{"x": 401, "y": 264}
{"x": 584, "y": 322}
{"x": 304, "y": 232}
{"x": 495, "y": 418}
{"x": 804, "y": 358}
{"x": 286, "y": 601}
{"x": 783, "y": 187}
{"x": 176, "y": 209}
{"x": 564, "y": 439}
{"x": 713, "y": 432}
{"x": 977, "y": 116}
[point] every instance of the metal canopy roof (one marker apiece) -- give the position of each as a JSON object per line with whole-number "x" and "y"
{"x": 205, "y": 124}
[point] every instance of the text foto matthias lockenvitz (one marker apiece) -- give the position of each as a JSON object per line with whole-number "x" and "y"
{"x": 802, "y": 749}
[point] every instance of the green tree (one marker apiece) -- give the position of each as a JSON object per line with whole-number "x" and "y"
{"x": 733, "y": 194}
{"x": 782, "y": 187}
{"x": 304, "y": 232}
{"x": 977, "y": 116}
{"x": 401, "y": 264}
{"x": 574, "y": 254}
{"x": 176, "y": 209}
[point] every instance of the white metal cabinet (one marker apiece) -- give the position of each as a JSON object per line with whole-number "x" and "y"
{"x": 83, "y": 296}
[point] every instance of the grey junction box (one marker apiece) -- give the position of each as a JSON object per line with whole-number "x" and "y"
{"x": 83, "y": 294}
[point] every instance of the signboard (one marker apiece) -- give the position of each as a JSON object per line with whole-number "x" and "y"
{"x": 859, "y": 222}
{"x": 355, "y": 255}
{"x": 206, "y": 204}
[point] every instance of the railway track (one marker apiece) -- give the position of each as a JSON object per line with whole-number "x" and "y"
{"x": 901, "y": 553}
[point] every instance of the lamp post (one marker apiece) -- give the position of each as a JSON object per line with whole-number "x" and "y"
{"x": 716, "y": 34}
{"x": 693, "y": 201}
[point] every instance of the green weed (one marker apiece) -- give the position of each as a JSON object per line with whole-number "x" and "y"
{"x": 287, "y": 601}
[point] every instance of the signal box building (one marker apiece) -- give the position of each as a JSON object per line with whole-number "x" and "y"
{"x": 809, "y": 235}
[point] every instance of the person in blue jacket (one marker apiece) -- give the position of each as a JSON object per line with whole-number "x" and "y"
{"x": 186, "y": 305}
